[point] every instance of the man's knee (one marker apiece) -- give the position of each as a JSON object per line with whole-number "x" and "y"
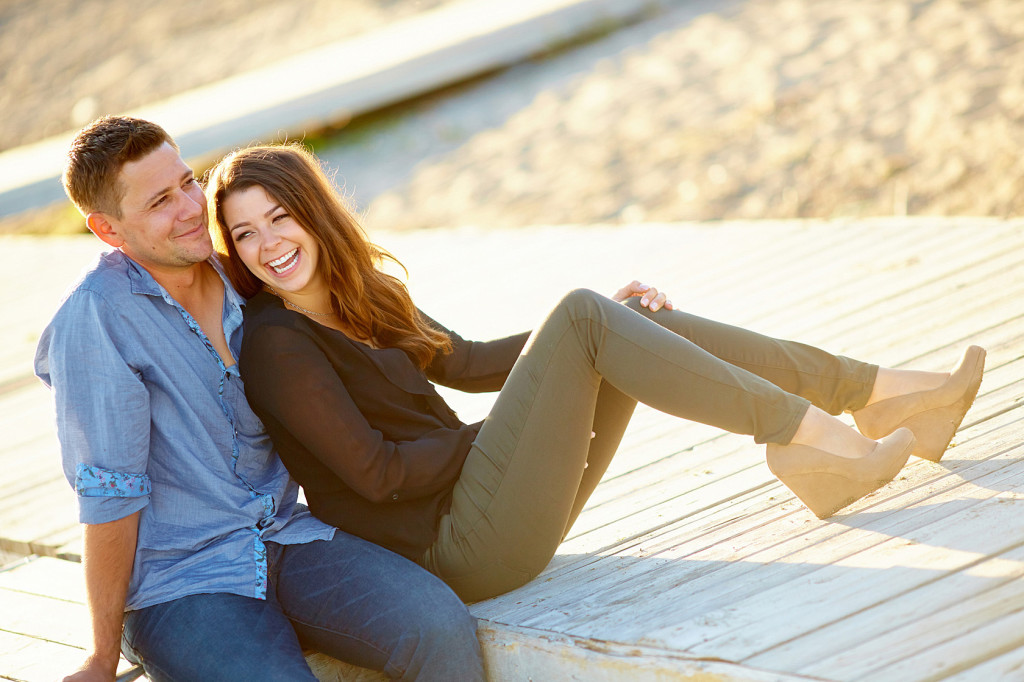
{"x": 444, "y": 642}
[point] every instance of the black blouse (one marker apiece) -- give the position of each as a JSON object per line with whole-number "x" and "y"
{"x": 363, "y": 430}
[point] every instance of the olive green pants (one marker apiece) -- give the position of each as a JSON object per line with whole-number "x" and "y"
{"x": 534, "y": 465}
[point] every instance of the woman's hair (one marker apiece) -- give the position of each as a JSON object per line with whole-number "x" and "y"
{"x": 375, "y": 305}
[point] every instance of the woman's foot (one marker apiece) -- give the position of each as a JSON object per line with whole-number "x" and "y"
{"x": 826, "y": 482}
{"x": 933, "y": 409}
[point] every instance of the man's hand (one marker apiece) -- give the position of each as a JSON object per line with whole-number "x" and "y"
{"x": 651, "y": 298}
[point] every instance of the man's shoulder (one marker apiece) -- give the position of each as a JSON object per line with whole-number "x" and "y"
{"x": 98, "y": 298}
{"x": 107, "y": 274}
{"x": 104, "y": 287}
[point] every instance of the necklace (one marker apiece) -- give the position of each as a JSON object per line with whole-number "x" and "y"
{"x": 296, "y": 306}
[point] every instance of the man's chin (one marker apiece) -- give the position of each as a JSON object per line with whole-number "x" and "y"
{"x": 203, "y": 254}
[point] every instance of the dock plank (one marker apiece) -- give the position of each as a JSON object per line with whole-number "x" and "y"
{"x": 691, "y": 559}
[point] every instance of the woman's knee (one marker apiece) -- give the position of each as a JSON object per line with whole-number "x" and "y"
{"x": 580, "y": 302}
{"x": 633, "y": 303}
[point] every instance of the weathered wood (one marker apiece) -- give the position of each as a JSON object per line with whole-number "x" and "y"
{"x": 514, "y": 654}
{"x": 691, "y": 561}
{"x": 44, "y": 628}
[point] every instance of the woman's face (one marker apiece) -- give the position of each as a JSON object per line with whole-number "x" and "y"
{"x": 274, "y": 247}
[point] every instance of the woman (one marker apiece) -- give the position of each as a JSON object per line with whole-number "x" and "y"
{"x": 337, "y": 361}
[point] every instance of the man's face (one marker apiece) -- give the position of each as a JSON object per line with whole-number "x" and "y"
{"x": 164, "y": 222}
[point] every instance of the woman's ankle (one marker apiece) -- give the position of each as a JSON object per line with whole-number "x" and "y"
{"x": 892, "y": 383}
{"x": 821, "y": 430}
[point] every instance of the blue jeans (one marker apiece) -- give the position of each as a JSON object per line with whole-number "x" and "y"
{"x": 345, "y": 597}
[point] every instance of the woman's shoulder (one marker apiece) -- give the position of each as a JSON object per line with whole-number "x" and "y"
{"x": 265, "y": 314}
{"x": 266, "y": 308}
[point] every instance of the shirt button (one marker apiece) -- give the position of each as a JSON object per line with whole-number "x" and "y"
{"x": 394, "y": 496}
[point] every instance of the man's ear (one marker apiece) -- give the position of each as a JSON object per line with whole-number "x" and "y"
{"x": 99, "y": 224}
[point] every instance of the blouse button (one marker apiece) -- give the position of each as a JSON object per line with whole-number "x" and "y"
{"x": 394, "y": 496}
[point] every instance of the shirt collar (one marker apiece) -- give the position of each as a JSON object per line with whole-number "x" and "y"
{"x": 142, "y": 282}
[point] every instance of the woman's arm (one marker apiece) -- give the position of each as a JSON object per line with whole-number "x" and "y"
{"x": 481, "y": 366}
{"x": 475, "y": 366}
{"x": 309, "y": 412}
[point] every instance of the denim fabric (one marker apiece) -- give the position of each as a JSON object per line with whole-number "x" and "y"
{"x": 345, "y": 597}
{"x": 149, "y": 418}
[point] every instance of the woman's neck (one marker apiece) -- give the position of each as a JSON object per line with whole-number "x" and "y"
{"x": 318, "y": 309}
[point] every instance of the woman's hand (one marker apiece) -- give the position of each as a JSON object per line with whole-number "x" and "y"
{"x": 650, "y": 297}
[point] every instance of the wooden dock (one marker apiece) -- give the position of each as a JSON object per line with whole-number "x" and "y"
{"x": 691, "y": 562}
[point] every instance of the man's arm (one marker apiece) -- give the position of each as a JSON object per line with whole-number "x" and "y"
{"x": 108, "y": 554}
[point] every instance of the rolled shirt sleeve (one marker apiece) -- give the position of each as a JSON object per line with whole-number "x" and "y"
{"x": 102, "y": 407}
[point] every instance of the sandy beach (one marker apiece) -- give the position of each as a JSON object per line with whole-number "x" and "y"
{"x": 757, "y": 109}
{"x": 712, "y": 110}
{"x": 64, "y": 62}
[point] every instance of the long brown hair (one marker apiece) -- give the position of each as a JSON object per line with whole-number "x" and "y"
{"x": 374, "y": 304}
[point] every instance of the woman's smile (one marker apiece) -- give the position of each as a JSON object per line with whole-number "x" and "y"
{"x": 286, "y": 263}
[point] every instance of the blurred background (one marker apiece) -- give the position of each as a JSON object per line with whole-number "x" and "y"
{"x": 701, "y": 111}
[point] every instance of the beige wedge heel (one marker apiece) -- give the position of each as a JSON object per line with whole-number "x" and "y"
{"x": 826, "y": 483}
{"x": 934, "y": 415}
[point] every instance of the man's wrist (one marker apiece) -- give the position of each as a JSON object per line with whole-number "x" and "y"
{"x": 105, "y": 662}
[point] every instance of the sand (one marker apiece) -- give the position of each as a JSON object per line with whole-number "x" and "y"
{"x": 763, "y": 109}
{"x": 752, "y": 109}
{"x": 64, "y": 62}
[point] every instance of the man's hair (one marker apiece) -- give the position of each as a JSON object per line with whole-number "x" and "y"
{"x": 97, "y": 154}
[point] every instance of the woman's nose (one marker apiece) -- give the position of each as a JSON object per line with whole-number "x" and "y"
{"x": 268, "y": 239}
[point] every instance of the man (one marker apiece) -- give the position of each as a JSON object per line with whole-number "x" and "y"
{"x": 193, "y": 538}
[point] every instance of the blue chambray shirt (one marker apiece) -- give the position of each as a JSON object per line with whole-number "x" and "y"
{"x": 150, "y": 419}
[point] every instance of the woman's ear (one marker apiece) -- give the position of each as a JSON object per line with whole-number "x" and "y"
{"x": 100, "y": 225}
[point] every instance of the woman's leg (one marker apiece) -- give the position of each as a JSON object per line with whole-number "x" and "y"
{"x": 831, "y": 382}
{"x": 612, "y": 413}
{"x": 882, "y": 399}
{"x": 522, "y": 478}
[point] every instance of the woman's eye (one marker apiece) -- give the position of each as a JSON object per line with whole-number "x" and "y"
{"x": 280, "y": 216}
{"x": 239, "y": 236}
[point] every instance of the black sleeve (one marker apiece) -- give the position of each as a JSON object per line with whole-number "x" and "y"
{"x": 475, "y": 366}
{"x": 308, "y": 412}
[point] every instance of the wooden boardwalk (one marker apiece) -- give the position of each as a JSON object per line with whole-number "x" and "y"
{"x": 691, "y": 561}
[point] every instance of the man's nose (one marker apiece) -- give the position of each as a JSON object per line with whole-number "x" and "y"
{"x": 191, "y": 206}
